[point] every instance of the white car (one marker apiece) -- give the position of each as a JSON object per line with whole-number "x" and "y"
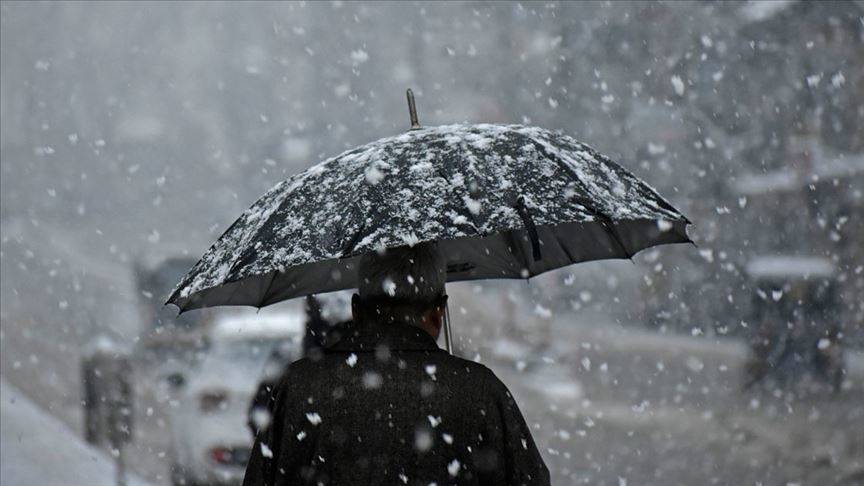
{"x": 210, "y": 439}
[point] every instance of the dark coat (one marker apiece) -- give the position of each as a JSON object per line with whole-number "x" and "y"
{"x": 319, "y": 333}
{"x": 385, "y": 405}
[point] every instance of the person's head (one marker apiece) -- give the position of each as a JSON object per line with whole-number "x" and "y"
{"x": 404, "y": 284}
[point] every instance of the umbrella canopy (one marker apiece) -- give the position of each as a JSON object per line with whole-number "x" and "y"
{"x": 502, "y": 201}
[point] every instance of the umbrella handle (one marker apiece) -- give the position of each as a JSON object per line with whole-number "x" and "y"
{"x": 448, "y": 335}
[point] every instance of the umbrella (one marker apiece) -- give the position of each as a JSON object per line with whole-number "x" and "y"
{"x": 501, "y": 201}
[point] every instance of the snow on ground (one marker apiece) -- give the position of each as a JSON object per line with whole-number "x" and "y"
{"x": 38, "y": 449}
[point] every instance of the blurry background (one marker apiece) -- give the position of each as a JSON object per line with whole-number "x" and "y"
{"x": 135, "y": 133}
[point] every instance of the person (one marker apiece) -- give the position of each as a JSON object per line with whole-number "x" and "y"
{"x": 320, "y": 330}
{"x": 386, "y": 405}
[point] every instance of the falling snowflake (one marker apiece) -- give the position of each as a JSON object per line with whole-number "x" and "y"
{"x": 678, "y": 84}
{"x": 260, "y": 417}
{"x": 359, "y": 56}
{"x": 586, "y": 363}
{"x": 374, "y": 175}
{"x": 389, "y": 286}
{"x": 265, "y": 451}
{"x": 663, "y": 225}
{"x": 453, "y": 467}
{"x": 422, "y": 440}
{"x": 372, "y": 380}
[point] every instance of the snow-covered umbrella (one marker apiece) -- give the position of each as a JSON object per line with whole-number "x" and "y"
{"x": 501, "y": 201}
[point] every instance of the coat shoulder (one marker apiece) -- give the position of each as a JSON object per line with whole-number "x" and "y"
{"x": 295, "y": 369}
{"x": 479, "y": 374}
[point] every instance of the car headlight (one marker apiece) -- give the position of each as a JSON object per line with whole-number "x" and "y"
{"x": 213, "y": 400}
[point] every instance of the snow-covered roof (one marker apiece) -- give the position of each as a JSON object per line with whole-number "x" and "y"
{"x": 791, "y": 179}
{"x": 779, "y": 180}
{"x": 104, "y": 344}
{"x": 790, "y": 266}
{"x": 755, "y": 11}
{"x": 251, "y": 325}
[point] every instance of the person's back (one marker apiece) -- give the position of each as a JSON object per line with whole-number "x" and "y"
{"x": 389, "y": 407}
{"x": 385, "y": 405}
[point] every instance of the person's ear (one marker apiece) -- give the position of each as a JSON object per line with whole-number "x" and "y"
{"x": 434, "y": 318}
{"x": 434, "y": 314}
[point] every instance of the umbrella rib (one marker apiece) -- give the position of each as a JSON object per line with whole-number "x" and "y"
{"x": 233, "y": 292}
{"x": 249, "y": 251}
{"x": 562, "y": 246}
{"x": 517, "y": 248}
{"x": 261, "y": 302}
{"x": 245, "y": 254}
{"x": 530, "y": 227}
{"x": 349, "y": 247}
{"x": 604, "y": 220}
{"x": 443, "y": 175}
{"x": 642, "y": 187}
{"x": 606, "y": 223}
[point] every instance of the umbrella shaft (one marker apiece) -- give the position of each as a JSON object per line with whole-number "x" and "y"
{"x": 448, "y": 337}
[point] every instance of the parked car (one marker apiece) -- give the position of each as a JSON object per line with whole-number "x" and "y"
{"x": 210, "y": 440}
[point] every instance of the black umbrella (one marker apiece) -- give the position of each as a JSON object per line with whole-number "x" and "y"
{"x": 502, "y": 201}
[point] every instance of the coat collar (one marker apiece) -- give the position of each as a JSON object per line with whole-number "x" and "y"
{"x": 397, "y": 337}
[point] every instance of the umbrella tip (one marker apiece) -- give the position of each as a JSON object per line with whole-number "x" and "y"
{"x": 412, "y": 110}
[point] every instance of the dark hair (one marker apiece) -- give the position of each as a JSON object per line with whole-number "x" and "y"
{"x": 401, "y": 284}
